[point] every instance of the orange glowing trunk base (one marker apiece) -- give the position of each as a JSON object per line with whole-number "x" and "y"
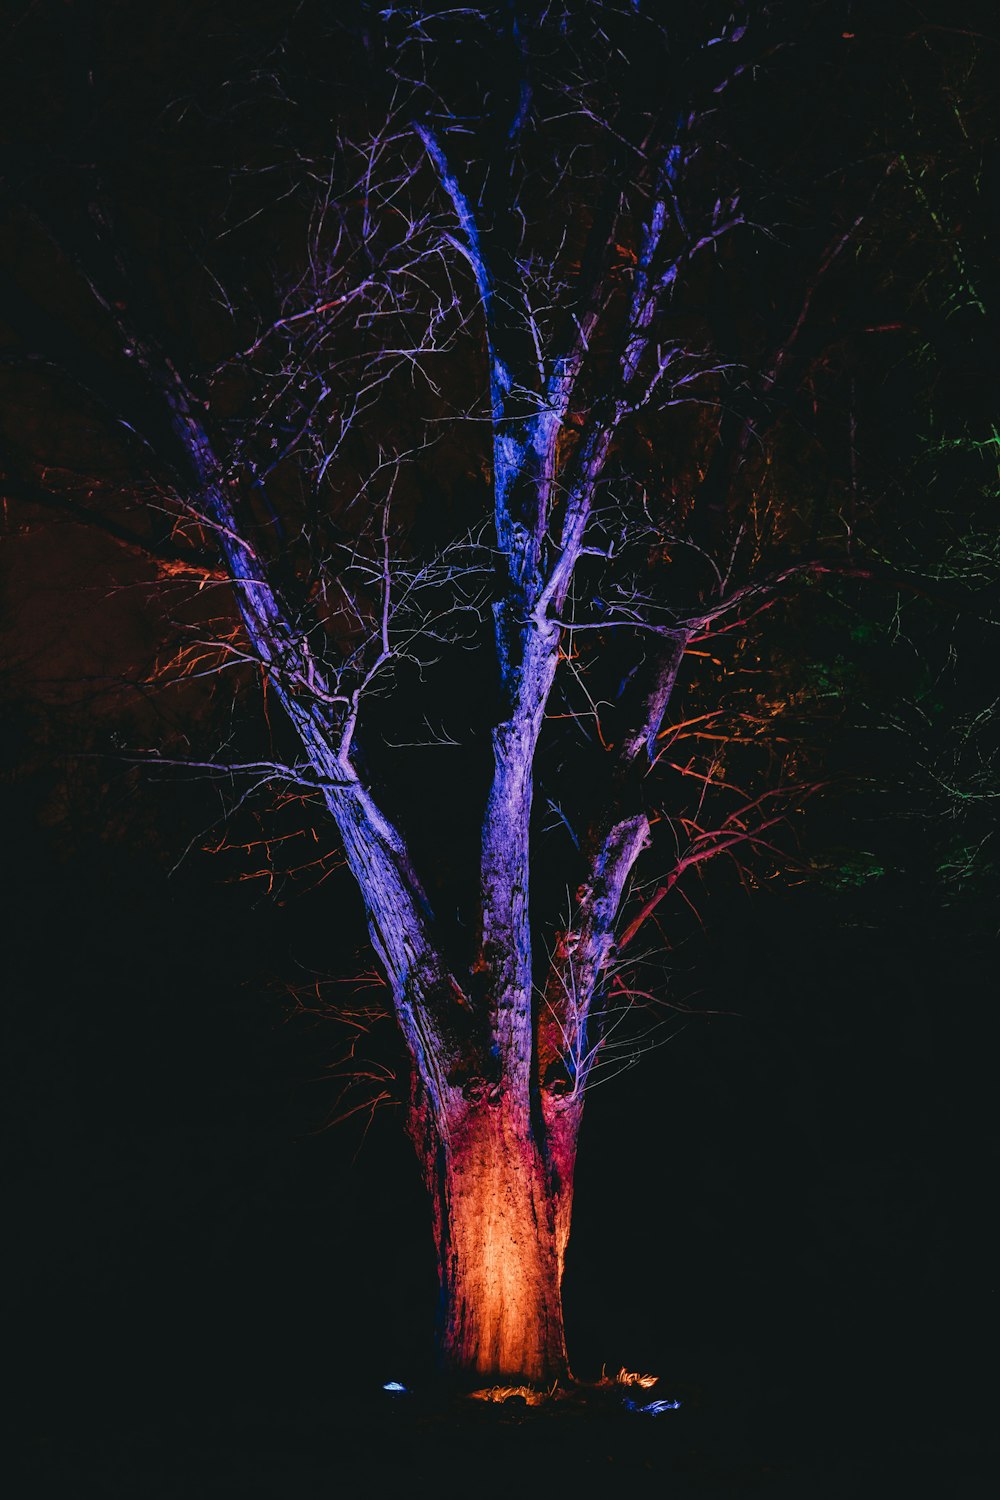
{"x": 501, "y": 1223}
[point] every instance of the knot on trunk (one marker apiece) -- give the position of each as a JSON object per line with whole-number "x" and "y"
{"x": 558, "y": 1080}
{"x": 481, "y": 1090}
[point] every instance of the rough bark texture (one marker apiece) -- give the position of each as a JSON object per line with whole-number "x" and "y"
{"x": 501, "y": 1193}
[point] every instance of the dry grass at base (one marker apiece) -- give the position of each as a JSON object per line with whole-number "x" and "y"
{"x": 576, "y": 1392}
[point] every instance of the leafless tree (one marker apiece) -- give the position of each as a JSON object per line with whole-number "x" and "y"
{"x": 544, "y": 268}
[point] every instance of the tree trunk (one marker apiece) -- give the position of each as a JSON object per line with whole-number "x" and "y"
{"x": 501, "y": 1217}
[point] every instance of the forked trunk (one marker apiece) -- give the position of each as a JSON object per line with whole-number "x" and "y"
{"x": 501, "y": 1217}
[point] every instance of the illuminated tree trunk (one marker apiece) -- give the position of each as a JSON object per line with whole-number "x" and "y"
{"x": 501, "y": 1204}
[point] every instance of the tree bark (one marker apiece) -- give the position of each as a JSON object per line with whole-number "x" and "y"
{"x": 500, "y": 1207}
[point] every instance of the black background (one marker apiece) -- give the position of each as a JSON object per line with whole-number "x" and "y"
{"x": 785, "y": 1212}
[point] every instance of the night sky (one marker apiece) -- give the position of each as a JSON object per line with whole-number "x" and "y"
{"x": 785, "y": 1210}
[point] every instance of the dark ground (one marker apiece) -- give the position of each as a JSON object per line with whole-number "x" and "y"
{"x": 723, "y": 1443}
